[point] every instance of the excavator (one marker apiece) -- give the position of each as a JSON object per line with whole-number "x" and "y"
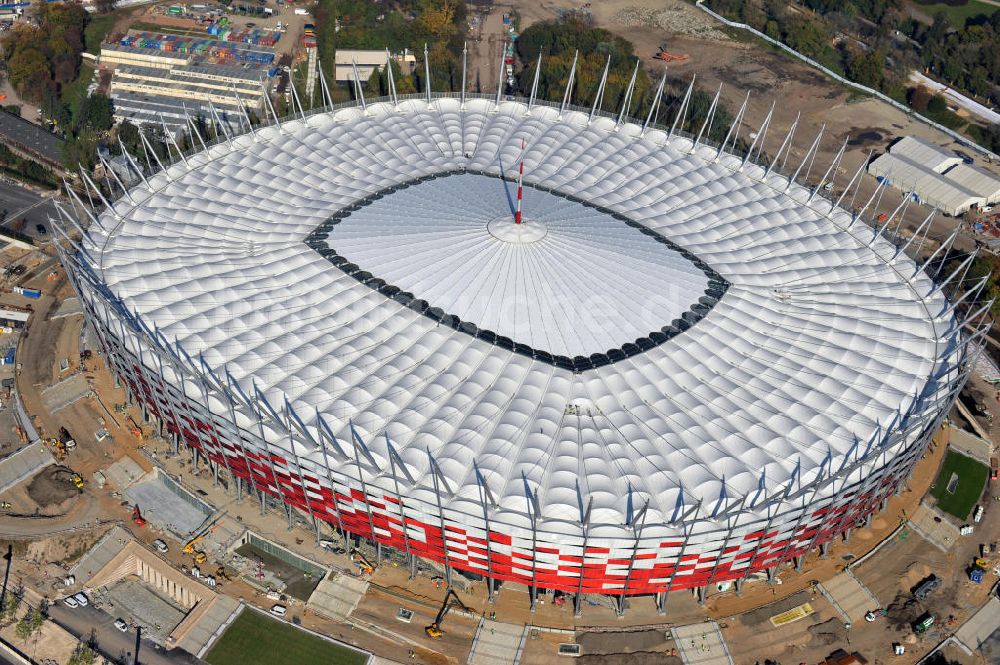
{"x": 450, "y": 600}
{"x": 666, "y": 56}
{"x": 137, "y": 516}
{"x": 199, "y": 555}
{"x": 364, "y": 565}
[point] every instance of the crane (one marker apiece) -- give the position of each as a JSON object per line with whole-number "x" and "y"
{"x": 199, "y": 555}
{"x": 450, "y": 600}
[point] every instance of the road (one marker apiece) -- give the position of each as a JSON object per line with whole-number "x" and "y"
{"x": 17, "y": 202}
{"x": 111, "y": 642}
{"x": 955, "y": 97}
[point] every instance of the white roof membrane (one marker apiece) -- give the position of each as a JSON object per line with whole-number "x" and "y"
{"x": 822, "y": 336}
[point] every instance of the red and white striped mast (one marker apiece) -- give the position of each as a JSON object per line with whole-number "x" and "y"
{"x": 520, "y": 189}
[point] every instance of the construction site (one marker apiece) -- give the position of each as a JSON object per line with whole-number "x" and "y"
{"x": 96, "y": 498}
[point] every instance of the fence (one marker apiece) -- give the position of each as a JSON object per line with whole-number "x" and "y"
{"x": 964, "y": 140}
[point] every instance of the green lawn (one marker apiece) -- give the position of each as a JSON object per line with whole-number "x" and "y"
{"x": 254, "y": 639}
{"x": 97, "y": 29}
{"x": 971, "y": 481}
{"x": 957, "y": 15}
{"x": 72, "y": 94}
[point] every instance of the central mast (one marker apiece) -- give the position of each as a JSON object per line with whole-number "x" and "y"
{"x": 520, "y": 191}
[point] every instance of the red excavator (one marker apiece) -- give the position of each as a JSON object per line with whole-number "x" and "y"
{"x": 666, "y": 56}
{"x": 137, "y": 516}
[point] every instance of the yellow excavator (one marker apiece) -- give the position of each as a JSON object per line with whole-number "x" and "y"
{"x": 199, "y": 555}
{"x": 450, "y": 600}
{"x": 365, "y": 566}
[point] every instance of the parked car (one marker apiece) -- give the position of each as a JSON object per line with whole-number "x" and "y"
{"x": 81, "y": 598}
{"x": 41, "y": 229}
{"x": 70, "y": 601}
{"x": 121, "y": 625}
{"x": 160, "y": 546}
{"x": 279, "y": 610}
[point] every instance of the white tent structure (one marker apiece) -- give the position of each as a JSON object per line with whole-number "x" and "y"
{"x": 937, "y": 177}
{"x": 681, "y": 368}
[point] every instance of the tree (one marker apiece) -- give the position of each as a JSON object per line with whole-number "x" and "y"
{"x": 82, "y": 655}
{"x": 937, "y": 104}
{"x": 11, "y": 603}
{"x": 28, "y": 72}
{"x": 96, "y": 113}
{"x": 868, "y": 68}
{"x": 29, "y": 624}
{"x": 919, "y": 98}
{"x": 55, "y": 111}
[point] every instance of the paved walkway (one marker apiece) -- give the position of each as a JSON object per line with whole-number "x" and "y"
{"x": 941, "y": 533}
{"x": 851, "y": 598}
{"x": 701, "y": 644}
{"x": 497, "y": 643}
{"x": 337, "y": 598}
{"x": 979, "y": 627}
{"x": 23, "y": 464}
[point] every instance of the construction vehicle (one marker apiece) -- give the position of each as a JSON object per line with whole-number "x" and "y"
{"x": 199, "y": 555}
{"x": 221, "y": 574}
{"x": 77, "y": 481}
{"x": 365, "y": 566}
{"x": 666, "y": 56}
{"x": 135, "y": 429}
{"x": 137, "y": 516}
{"x": 450, "y": 600}
{"x": 923, "y": 623}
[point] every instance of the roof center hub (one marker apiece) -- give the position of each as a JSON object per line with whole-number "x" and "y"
{"x": 506, "y": 230}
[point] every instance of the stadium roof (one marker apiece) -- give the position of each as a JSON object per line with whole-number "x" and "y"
{"x": 822, "y": 337}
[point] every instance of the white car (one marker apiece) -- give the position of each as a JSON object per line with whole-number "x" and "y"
{"x": 279, "y": 610}
{"x": 160, "y": 546}
{"x": 71, "y": 601}
{"x": 121, "y": 625}
{"x": 81, "y": 598}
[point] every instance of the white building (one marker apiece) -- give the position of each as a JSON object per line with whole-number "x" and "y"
{"x": 368, "y": 61}
{"x": 938, "y": 177}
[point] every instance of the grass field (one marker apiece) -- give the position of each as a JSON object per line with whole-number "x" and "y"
{"x": 957, "y": 15}
{"x": 254, "y": 639}
{"x": 971, "y": 481}
{"x": 97, "y": 29}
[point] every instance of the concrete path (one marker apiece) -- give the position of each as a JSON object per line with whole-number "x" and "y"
{"x": 337, "y": 598}
{"x": 941, "y": 533}
{"x": 851, "y": 598}
{"x": 497, "y": 643}
{"x": 23, "y": 464}
{"x": 979, "y": 627}
{"x": 701, "y": 644}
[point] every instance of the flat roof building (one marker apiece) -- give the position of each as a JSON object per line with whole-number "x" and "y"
{"x": 368, "y": 61}
{"x": 162, "y": 79}
{"x": 29, "y": 140}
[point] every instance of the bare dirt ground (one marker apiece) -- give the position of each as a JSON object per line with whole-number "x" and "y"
{"x": 52, "y": 486}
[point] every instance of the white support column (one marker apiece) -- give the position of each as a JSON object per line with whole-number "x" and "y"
{"x": 568, "y": 95}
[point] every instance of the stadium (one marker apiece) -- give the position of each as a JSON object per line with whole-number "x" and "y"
{"x": 679, "y": 368}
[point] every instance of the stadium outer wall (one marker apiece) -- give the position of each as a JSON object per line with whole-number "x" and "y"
{"x": 219, "y": 422}
{"x": 739, "y": 544}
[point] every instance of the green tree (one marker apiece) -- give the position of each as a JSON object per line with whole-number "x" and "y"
{"x": 82, "y": 655}
{"x": 868, "y": 68}
{"x": 96, "y": 113}
{"x": 29, "y": 624}
{"x": 55, "y": 111}
{"x": 28, "y": 71}
{"x": 11, "y": 603}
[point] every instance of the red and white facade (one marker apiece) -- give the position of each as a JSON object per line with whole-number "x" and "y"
{"x": 327, "y": 310}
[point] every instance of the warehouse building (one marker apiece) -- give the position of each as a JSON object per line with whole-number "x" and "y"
{"x": 937, "y": 177}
